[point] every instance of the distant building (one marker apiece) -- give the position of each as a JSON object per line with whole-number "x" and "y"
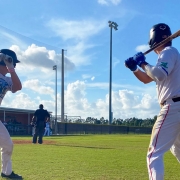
{"x": 22, "y": 116}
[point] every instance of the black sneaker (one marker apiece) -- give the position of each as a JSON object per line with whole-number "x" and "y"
{"x": 11, "y": 176}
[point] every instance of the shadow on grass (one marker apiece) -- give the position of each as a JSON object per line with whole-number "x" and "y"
{"x": 78, "y": 146}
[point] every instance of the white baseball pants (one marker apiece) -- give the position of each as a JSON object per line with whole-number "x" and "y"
{"x": 6, "y": 146}
{"x": 165, "y": 136}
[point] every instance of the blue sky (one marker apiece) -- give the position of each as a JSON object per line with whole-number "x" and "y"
{"x": 38, "y": 31}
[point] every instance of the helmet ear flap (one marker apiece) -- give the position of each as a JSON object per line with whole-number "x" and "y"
{"x": 149, "y": 42}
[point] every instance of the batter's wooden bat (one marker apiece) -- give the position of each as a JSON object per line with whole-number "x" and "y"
{"x": 173, "y": 36}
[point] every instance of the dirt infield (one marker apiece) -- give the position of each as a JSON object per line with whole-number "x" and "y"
{"x": 30, "y": 142}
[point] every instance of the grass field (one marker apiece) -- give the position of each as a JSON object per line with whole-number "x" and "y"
{"x": 87, "y": 157}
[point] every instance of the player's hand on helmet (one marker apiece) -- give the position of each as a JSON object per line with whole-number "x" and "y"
{"x": 8, "y": 60}
{"x": 131, "y": 64}
{"x": 140, "y": 59}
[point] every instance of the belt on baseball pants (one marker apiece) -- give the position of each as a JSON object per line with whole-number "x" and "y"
{"x": 173, "y": 99}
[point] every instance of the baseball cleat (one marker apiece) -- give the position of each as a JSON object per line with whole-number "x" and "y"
{"x": 11, "y": 176}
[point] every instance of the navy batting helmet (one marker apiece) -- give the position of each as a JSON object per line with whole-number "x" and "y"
{"x": 158, "y": 33}
{"x": 9, "y": 53}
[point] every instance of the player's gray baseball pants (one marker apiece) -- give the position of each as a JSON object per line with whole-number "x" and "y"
{"x": 6, "y": 145}
{"x": 165, "y": 135}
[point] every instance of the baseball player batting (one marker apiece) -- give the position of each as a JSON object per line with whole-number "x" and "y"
{"x": 166, "y": 74}
{"x": 8, "y": 62}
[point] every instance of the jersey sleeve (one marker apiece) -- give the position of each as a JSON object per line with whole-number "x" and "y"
{"x": 166, "y": 61}
{"x": 5, "y": 85}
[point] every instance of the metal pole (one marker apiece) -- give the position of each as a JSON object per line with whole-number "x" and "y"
{"x": 110, "y": 78}
{"x": 62, "y": 88}
{"x": 111, "y": 25}
{"x": 56, "y": 103}
{"x": 55, "y": 68}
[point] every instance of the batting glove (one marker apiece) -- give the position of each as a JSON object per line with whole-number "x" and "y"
{"x": 139, "y": 58}
{"x": 131, "y": 64}
{"x": 8, "y": 60}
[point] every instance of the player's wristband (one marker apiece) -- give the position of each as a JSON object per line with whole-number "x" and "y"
{"x": 136, "y": 70}
{"x": 11, "y": 70}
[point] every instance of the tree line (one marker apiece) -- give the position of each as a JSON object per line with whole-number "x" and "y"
{"x": 148, "y": 122}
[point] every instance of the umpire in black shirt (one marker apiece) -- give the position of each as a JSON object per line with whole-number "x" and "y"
{"x": 39, "y": 121}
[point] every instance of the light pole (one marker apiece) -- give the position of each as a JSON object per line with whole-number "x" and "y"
{"x": 62, "y": 88}
{"x": 55, "y": 68}
{"x": 111, "y": 25}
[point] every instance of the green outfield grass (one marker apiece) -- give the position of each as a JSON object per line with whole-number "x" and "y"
{"x": 87, "y": 157}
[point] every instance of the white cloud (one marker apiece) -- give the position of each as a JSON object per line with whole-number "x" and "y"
{"x": 77, "y": 30}
{"x": 142, "y": 48}
{"x": 36, "y": 85}
{"x": 92, "y": 78}
{"x": 9, "y": 37}
{"x": 103, "y": 2}
{"x": 39, "y": 58}
{"x": 77, "y": 53}
{"x": 107, "y": 2}
{"x": 86, "y": 76}
{"x": 76, "y": 102}
{"x": 24, "y": 101}
{"x": 116, "y": 2}
{"x": 127, "y": 99}
{"x": 115, "y": 62}
{"x": 77, "y": 33}
{"x": 125, "y": 103}
{"x": 98, "y": 85}
{"x": 19, "y": 100}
